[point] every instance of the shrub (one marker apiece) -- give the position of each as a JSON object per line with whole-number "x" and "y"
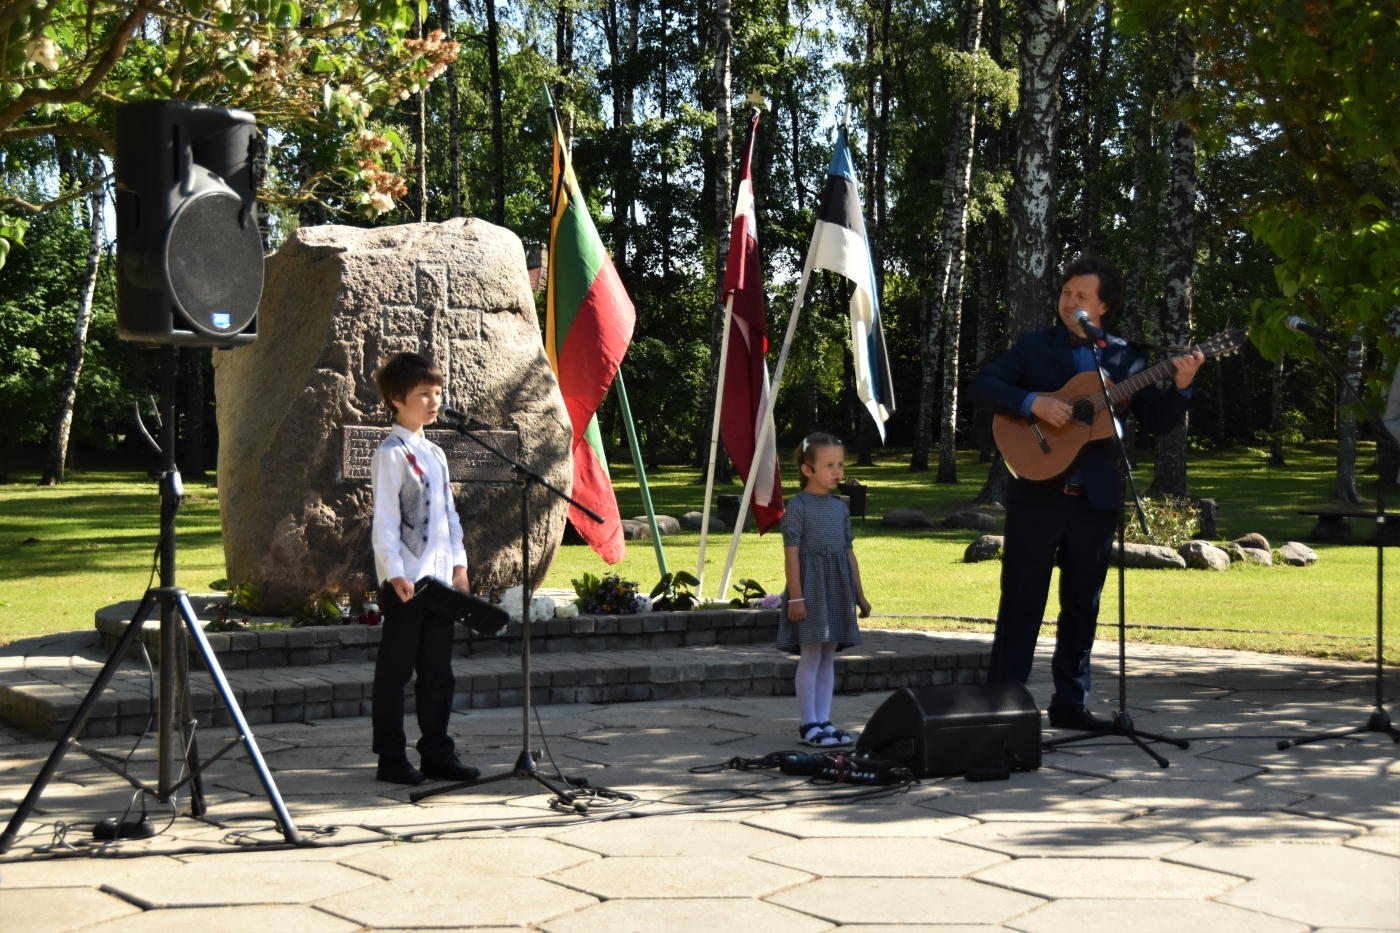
{"x": 1170, "y": 523}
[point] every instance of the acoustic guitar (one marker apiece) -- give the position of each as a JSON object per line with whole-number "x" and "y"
{"x": 1037, "y": 451}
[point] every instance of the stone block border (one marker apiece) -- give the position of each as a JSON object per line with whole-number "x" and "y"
{"x": 314, "y": 645}
{"x": 40, "y": 691}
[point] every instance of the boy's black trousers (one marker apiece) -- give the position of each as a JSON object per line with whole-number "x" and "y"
{"x": 414, "y": 640}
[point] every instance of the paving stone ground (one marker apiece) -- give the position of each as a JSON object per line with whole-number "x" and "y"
{"x": 1234, "y": 836}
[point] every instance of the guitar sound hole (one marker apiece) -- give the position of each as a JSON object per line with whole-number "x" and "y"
{"x": 1084, "y": 411}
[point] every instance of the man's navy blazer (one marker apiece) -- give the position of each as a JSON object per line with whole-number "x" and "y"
{"x": 1042, "y": 361}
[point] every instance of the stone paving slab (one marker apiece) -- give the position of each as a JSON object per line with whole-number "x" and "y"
{"x": 1146, "y": 915}
{"x": 1302, "y": 843}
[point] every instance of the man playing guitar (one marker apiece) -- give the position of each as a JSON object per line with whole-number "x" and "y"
{"x": 1068, "y": 522}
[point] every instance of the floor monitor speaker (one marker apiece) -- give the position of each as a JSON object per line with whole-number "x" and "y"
{"x": 956, "y": 728}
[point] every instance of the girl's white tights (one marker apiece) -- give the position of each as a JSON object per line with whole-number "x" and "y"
{"x": 816, "y": 678}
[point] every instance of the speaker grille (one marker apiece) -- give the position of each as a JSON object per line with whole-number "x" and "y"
{"x": 215, "y": 262}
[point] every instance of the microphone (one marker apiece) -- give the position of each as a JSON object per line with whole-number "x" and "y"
{"x": 463, "y": 417}
{"x": 1093, "y": 333}
{"x": 1312, "y": 330}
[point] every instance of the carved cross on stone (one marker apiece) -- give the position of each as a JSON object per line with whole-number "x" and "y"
{"x": 430, "y": 325}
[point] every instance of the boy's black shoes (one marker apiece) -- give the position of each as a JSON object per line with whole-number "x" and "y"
{"x": 450, "y": 769}
{"x": 397, "y": 770}
{"x": 1076, "y": 717}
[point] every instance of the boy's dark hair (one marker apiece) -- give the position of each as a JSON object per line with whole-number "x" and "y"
{"x": 402, "y": 373}
{"x": 807, "y": 452}
{"x": 1110, "y": 281}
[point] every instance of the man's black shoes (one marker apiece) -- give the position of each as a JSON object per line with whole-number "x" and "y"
{"x": 450, "y": 769}
{"x": 1076, "y": 717}
{"x": 399, "y": 771}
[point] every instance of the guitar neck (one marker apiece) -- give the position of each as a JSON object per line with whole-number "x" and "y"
{"x": 1129, "y": 387}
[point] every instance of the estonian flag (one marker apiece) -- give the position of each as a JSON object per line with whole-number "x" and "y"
{"x": 839, "y": 244}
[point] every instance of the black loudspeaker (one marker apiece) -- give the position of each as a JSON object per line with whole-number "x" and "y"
{"x": 956, "y": 728}
{"x": 189, "y": 252}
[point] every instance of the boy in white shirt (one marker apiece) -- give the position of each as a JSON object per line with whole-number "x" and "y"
{"x": 416, "y": 533}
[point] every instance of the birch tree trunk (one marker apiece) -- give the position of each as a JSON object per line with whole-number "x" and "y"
{"x": 1090, "y": 234}
{"x": 1032, "y": 259}
{"x": 724, "y": 209}
{"x": 498, "y": 142}
{"x": 1276, "y": 416}
{"x": 952, "y": 253}
{"x": 454, "y": 111}
{"x": 1345, "y": 490}
{"x": 1142, "y": 232}
{"x": 68, "y": 391}
{"x": 1031, "y": 255}
{"x": 989, "y": 338}
{"x": 192, "y": 362}
{"x": 420, "y": 134}
{"x": 1169, "y": 478}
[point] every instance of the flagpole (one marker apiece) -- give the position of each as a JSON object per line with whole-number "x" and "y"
{"x": 767, "y": 424}
{"x": 714, "y": 448}
{"x": 641, "y": 473}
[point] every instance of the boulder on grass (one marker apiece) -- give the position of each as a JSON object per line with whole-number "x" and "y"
{"x": 906, "y": 518}
{"x": 1296, "y": 554}
{"x": 633, "y": 530}
{"x": 1150, "y": 557}
{"x": 975, "y": 521}
{"x": 987, "y": 547}
{"x": 1202, "y": 555}
{"x": 1253, "y": 540}
{"x": 666, "y": 524}
{"x": 691, "y": 521}
{"x": 1255, "y": 555}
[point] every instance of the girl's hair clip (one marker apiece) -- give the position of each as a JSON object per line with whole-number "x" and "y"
{"x": 804, "y": 445}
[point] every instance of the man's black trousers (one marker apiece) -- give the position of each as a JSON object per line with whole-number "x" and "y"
{"x": 1049, "y": 530}
{"x": 414, "y": 640}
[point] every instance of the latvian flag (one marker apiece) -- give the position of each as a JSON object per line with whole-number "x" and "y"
{"x": 746, "y": 385}
{"x": 588, "y": 327}
{"x": 839, "y": 244}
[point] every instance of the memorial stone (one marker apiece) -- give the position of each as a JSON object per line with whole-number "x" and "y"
{"x": 300, "y": 416}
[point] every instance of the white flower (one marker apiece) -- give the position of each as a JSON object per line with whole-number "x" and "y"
{"x": 381, "y": 203}
{"x": 542, "y": 608}
{"x": 644, "y": 604}
{"x": 42, "y": 51}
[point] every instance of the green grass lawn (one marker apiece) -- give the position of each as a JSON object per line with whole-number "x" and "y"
{"x": 95, "y": 537}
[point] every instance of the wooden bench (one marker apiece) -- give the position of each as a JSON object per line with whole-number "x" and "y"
{"x": 1333, "y": 526}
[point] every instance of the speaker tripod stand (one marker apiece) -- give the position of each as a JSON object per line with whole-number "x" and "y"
{"x": 1379, "y": 719}
{"x": 176, "y": 743}
{"x": 525, "y": 768}
{"x": 1122, "y": 722}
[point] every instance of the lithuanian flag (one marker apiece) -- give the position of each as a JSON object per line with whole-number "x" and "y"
{"x": 588, "y": 326}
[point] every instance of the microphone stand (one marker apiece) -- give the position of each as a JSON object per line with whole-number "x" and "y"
{"x": 1122, "y": 722}
{"x": 525, "y": 768}
{"x": 1379, "y": 719}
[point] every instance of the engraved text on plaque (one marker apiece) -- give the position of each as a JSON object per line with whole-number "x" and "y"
{"x": 467, "y": 461}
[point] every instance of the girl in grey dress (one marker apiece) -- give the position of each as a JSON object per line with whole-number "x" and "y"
{"x": 823, "y": 585}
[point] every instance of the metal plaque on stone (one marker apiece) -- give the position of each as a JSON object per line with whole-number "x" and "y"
{"x": 467, "y": 461}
